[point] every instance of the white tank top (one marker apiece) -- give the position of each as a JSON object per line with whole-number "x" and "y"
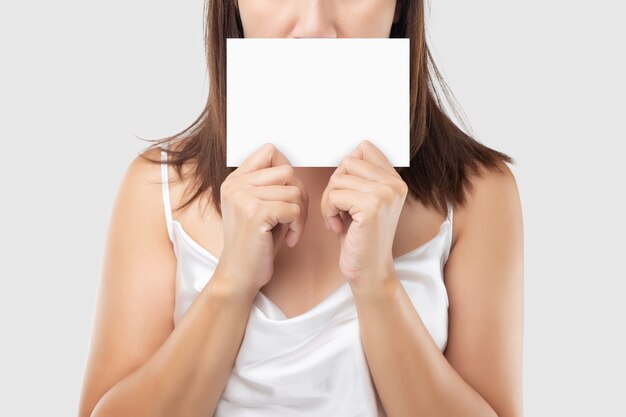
{"x": 312, "y": 364}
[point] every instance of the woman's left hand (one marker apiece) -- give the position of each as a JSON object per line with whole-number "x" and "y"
{"x": 362, "y": 204}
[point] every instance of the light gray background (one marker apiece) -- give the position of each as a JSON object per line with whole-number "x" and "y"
{"x": 540, "y": 80}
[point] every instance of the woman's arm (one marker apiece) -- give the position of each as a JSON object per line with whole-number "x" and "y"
{"x": 480, "y": 373}
{"x": 139, "y": 364}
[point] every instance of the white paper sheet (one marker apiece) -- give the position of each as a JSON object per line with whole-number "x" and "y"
{"x": 316, "y": 99}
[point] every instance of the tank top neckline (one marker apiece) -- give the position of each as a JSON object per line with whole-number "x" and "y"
{"x": 267, "y": 310}
{"x": 214, "y": 259}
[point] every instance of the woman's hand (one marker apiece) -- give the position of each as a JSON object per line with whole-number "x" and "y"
{"x": 262, "y": 202}
{"x": 362, "y": 204}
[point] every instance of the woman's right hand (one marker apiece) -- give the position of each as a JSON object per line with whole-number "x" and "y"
{"x": 262, "y": 203}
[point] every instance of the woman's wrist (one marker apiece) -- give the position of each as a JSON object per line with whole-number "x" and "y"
{"x": 224, "y": 286}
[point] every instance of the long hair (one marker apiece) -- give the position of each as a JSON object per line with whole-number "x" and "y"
{"x": 443, "y": 157}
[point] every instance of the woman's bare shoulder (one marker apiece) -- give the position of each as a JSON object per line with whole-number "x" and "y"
{"x": 492, "y": 194}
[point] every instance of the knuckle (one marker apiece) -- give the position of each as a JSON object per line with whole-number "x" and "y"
{"x": 330, "y": 194}
{"x": 227, "y": 193}
{"x": 269, "y": 147}
{"x": 224, "y": 187}
{"x": 295, "y": 192}
{"x": 289, "y": 171}
{"x": 402, "y": 186}
{"x": 404, "y": 189}
{"x": 398, "y": 188}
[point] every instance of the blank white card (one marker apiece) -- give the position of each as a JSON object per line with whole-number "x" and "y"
{"x": 316, "y": 99}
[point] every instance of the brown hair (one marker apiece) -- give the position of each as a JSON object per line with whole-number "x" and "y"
{"x": 442, "y": 155}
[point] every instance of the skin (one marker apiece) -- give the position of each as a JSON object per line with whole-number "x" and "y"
{"x": 317, "y": 18}
{"x": 140, "y": 365}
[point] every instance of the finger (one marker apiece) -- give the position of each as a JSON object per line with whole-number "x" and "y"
{"x": 282, "y": 212}
{"x": 282, "y": 175}
{"x": 371, "y": 153}
{"x": 344, "y": 181}
{"x": 355, "y": 166}
{"x": 341, "y": 200}
{"x": 286, "y": 193}
{"x": 352, "y": 182}
{"x": 276, "y": 175}
{"x": 267, "y": 155}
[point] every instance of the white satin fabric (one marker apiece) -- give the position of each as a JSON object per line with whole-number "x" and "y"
{"x": 312, "y": 364}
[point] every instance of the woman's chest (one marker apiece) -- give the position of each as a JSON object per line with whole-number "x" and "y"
{"x": 305, "y": 275}
{"x": 302, "y": 281}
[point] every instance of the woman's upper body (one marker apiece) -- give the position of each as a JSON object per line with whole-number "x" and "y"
{"x": 470, "y": 316}
{"x": 140, "y": 299}
{"x": 302, "y": 353}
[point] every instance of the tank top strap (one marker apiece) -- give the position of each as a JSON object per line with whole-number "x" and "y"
{"x": 448, "y": 240}
{"x": 166, "y": 191}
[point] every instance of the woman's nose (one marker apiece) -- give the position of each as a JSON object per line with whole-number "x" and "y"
{"x": 313, "y": 19}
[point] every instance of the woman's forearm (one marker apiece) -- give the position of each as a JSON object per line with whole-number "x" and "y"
{"x": 188, "y": 373}
{"x": 411, "y": 374}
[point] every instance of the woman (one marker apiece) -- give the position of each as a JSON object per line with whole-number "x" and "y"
{"x": 224, "y": 291}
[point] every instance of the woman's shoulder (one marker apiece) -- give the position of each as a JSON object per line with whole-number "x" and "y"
{"x": 145, "y": 166}
{"x": 491, "y": 198}
{"x": 147, "y": 171}
{"x": 139, "y": 194}
{"x": 198, "y": 216}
